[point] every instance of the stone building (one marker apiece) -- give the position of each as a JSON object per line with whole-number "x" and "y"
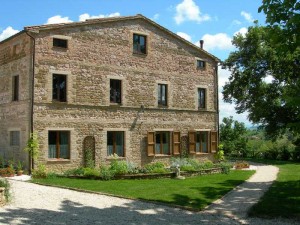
{"x": 122, "y": 85}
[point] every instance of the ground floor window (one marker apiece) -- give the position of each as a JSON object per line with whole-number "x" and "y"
{"x": 162, "y": 142}
{"x": 14, "y": 138}
{"x": 59, "y": 144}
{"x": 202, "y": 141}
{"x": 115, "y": 143}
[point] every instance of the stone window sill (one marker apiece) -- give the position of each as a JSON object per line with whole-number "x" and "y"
{"x": 58, "y": 160}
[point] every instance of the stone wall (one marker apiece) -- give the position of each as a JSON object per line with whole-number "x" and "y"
{"x": 15, "y": 59}
{"x": 98, "y": 53}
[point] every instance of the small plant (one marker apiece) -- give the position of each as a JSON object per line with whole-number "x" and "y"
{"x": 4, "y": 183}
{"x": 32, "y": 147}
{"x": 88, "y": 158}
{"x": 106, "y": 173}
{"x": 241, "y": 165}
{"x": 40, "y": 172}
{"x": 19, "y": 168}
{"x": 119, "y": 167}
{"x": 7, "y": 172}
{"x": 75, "y": 172}
{"x": 219, "y": 156}
{"x": 157, "y": 167}
{"x": 225, "y": 166}
{"x": 91, "y": 172}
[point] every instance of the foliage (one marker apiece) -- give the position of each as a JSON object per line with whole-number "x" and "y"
{"x": 106, "y": 173}
{"x": 271, "y": 51}
{"x": 241, "y": 165}
{"x": 232, "y": 137}
{"x": 32, "y": 146}
{"x": 74, "y": 172}
{"x": 283, "y": 197}
{"x": 20, "y": 166}
{"x": 219, "y": 156}
{"x": 39, "y": 172}
{"x": 156, "y": 167}
{"x": 190, "y": 164}
{"x": 89, "y": 158}
{"x": 226, "y": 166}
{"x": 91, "y": 172}
{"x": 194, "y": 192}
{"x": 119, "y": 166}
{"x": 4, "y": 183}
{"x": 7, "y": 172}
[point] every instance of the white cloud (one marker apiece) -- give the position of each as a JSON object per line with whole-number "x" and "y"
{"x": 185, "y": 36}
{"x": 243, "y": 31}
{"x": 236, "y": 22}
{"x": 155, "y": 17}
{"x": 219, "y": 41}
{"x": 58, "y": 19}
{"x": 247, "y": 16}
{"x": 6, "y": 33}
{"x": 86, "y": 16}
{"x": 189, "y": 11}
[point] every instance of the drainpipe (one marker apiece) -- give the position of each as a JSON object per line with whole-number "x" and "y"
{"x": 217, "y": 92}
{"x": 31, "y": 161}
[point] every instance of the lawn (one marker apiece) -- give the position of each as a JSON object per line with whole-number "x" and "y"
{"x": 193, "y": 193}
{"x": 283, "y": 197}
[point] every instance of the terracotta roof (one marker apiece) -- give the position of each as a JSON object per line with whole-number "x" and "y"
{"x": 38, "y": 28}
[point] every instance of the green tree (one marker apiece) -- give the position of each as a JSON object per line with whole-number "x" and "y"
{"x": 271, "y": 51}
{"x": 232, "y": 137}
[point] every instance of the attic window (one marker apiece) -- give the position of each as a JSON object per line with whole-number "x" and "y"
{"x": 139, "y": 44}
{"x": 60, "y": 43}
{"x": 200, "y": 64}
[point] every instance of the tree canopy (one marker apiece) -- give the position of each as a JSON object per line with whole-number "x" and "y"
{"x": 265, "y": 68}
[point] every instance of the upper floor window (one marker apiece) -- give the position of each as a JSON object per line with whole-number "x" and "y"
{"x": 201, "y": 98}
{"x": 61, "y": 43}
{"x": 162, "y": 94}
{"x": 115, "y": 143}
{"x": 139, "y": 44}
{"x": 200, "y": 64}
{"x": 115, "y": 91}
{"x": 15, "y": 88}
{"x": 14, "y": 138}
{"x": 59, "y": 144}
{"x": 59, "y": 88}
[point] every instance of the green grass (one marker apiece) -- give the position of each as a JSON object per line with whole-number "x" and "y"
{"x": 194, "y": 193}
{"x": 283, "y": 197}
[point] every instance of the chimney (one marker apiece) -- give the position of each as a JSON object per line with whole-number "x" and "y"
{"x": 201, "y": 44}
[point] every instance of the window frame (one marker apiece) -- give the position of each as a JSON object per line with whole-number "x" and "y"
{"x": 57, "y": 43}
{"x": 59, "y": 98}
{"x": 200, "y": 64}
{"x": 14, "y": 138}
{"x": 201, "y": 105}
{"x": 57, "y": 148}
{"x": 200, "y": 133}
{"x": 15, "y": 88}
{"x": 114, "y": 151}
{"x": 160, "y": 96}
{"x": 115, "y": 101}
{"x": 139, "y": 51}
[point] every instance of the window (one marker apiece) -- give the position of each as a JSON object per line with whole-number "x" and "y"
{"x": 115, "y": 91}
{"x": 159, "y": 143}
{"x": 200, "y": 64}
{"x": 59, "y": 144}
{"x": 61, "y": 43}
{"x": 162, "y": 94}
{"x": 15, "y": 88}
{"x": 14, "y": 138}
{"x": 59, "y": 91}
{"x": 202, "y": 141}
{"x": 115, "y": 143}
{"x": 201, "y": 98}
{"x": 139, "y": 44}
{"x": 162, "y": 142}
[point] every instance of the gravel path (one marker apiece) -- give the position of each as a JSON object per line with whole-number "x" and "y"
{"x": 36, "y": 204}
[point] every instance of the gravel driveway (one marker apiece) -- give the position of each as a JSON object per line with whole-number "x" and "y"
{"x": 36, "y": 204}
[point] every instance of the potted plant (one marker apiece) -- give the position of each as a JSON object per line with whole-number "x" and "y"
{"x": 19, "y": 168}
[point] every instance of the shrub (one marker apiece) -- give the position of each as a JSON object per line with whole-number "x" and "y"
{"x": 106, "y": 173}
{"x": 75, "y": 172}
{"x": 91, "y": 172}
{"x": 39, "y": 172}
{"x": 88, "y": 158}
{"x": 119, "y": 167}
{"x": 157, "y": 167}
{"x": 4, "y": 183}
{"x": 132, "y": 168}
{"x": 7, "y": 172}
{"x": 52, "y": 175}
{"x": 187, "y": 168}
{"x": 220, "y": 154}
{"x": 226, "y": 166}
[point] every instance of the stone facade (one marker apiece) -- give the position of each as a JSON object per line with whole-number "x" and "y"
{"x": 98, "y": 51}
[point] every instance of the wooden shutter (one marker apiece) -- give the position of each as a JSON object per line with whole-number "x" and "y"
{"x": 192, "y": 142}
{"x": 151, "y": 143}
{"x": 176, "y": 143}
{"x": 213, "y": 141}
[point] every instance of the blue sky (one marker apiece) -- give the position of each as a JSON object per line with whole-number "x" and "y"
{"x": 214, "y": 21}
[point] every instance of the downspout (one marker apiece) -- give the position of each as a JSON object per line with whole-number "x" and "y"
{"x": 32, "y": 95}
{"x": 218, "y": 112}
